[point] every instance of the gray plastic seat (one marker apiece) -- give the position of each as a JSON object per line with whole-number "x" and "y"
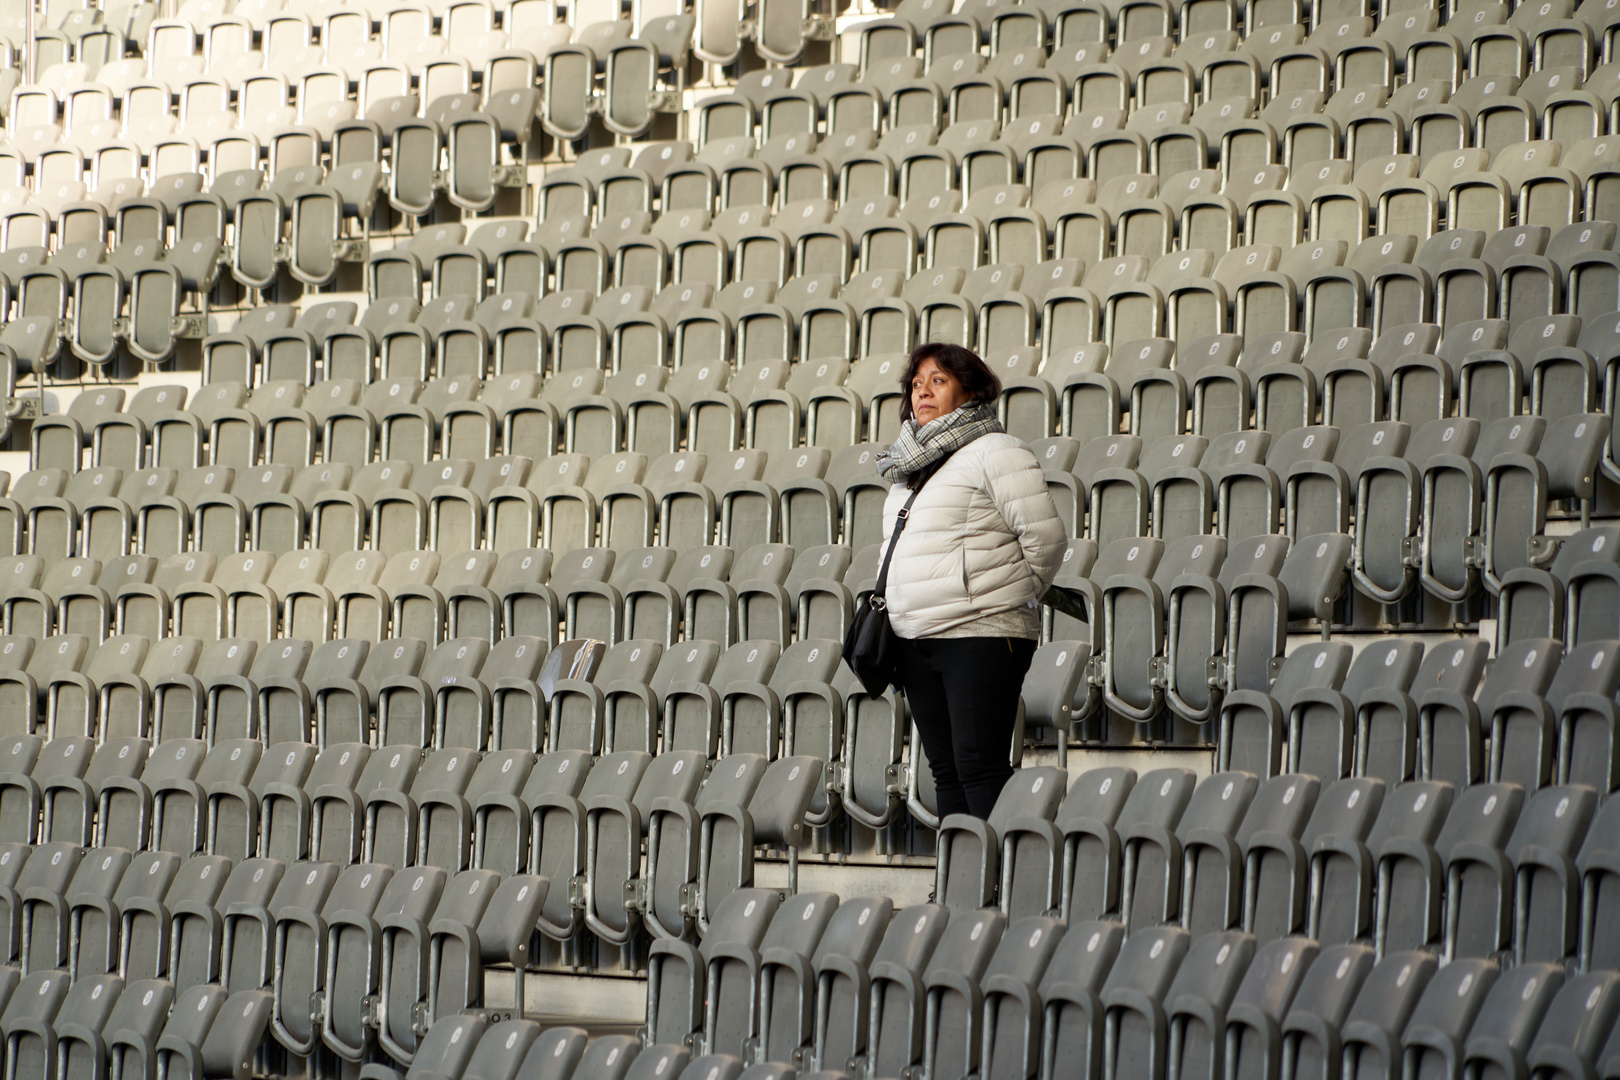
{"x": 1096, "y": 826}
{"x": 178, "y": 1047}
{"x": 1198, "y": 1002}
{"x": 843, "y": 990}
{"x": 1254, "y": 1038}
{"x": 446, "y": 816}
{"x": 717, "y": 1066}
{"x": 1579, "y": 1022}
{"x": 650, "y": 1062}
{"x": 1311, "y": 580}
{"x": 396, "y": 826}
{"x": 48, "y": 871}
{"x": 581, "y": 710}
{"x": 19, "y": 790}
{"x": 233, "y": 1039}
{"x": 1249, "y": 498}
{"x": 1480, "y": 821}
{"x": 1514, "y": 1009}
{"x": 1010, "y": 990}
{"x": 1213, "y": 828}
{"x": 1452, "y": 726}
{"x": 304, "y": 961}
{"x": 1532, "y": 598}
{"x": 402, "y": 950}
{"x": 674, "y": 835}
{"x": 347, "y": 705}
{"x": 1142, "y": 974}
{"x": 180, "y": 802}
{"x": 558, "y": 816}
{"x": 28, "y": 1022}
{"x": 464, "y": 709}
{"x": 774, "y": 816}
{"x": 405, "y": 695}
{"x": 901, "y": 995}
{"x": 96, "y": 920}
{"x": 1325, "y": 724}
{"x": 255, "y": 689}
{"x": 1071, "y": 994}
{"x": 1585, "y": 724}
{"x": 352, "y": 951}
{"x": 1516, "y": 494}
{"x": 1387, "y": 504}
{"x": 1310, "y": 1031}
{"x": 460, "y": 950}
{"x": 1133, "y": 610}
{"x": 736, "y": 971}
{"x": 1453, "y": 504}
{"x": 1349, "y": 863}
{"x": 343, "y": 821}
{"x": 1280, "y": 844}
{"x": 677, "y": 971}
{"x": 1438, "y": 1027}
{"x": 1598, "y": 889}
{"x": 240, "y": 815}
{"x": 248, "y": 949}
{"x": 445, "y": 1050}
{"x": 1254, "y": 724}
{"x": 1371, "y": 1035}
{"x": 754, "y": 718}
{"x": 1394, "y": 725}
{"x": 1033, "y": 856}
{"x": 154, "y": 923}
{"x": 1523, "y": 726}
{"x": 617, "y": 829}
{"x": 330, "y": 678}
{"x": 502, "y": 1050}
{"x": 795, "y": 987}
{"x": 970, "y": 850}
{"x": 292, "y": 816}
{"x": 47, "y": 917}
{"x": 136, "y": 1013}
{"x": 1197, "y": 620}
{"x": 1544, "y": 843}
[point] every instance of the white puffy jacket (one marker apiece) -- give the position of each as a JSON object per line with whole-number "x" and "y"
{"x": 984, "y": 537}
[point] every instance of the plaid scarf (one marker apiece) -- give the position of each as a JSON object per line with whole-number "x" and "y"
{"x": 920, "y": 447}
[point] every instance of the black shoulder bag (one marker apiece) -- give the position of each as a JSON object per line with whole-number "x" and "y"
{"x": 869, "y": 643}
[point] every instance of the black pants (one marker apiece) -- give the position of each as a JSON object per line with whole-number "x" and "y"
{"x": 963, "y": 694}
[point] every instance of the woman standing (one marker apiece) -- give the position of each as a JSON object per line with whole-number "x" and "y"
{"x": 982, "y": 542}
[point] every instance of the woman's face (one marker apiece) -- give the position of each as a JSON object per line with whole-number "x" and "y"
{"x": 934, "y": 392}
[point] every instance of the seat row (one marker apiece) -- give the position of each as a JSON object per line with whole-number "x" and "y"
{"x": 842, "y": 263}
{"x": 862, "y": 237}
{"x": 565, "y": 502}
{"x": 278, "y": 933}
{"x": 144, "y": 1028}
{"x": 463, "y": 693}
{"x": 462, "y": 812}
{"x": 127, "y": 526}
{"x": 1412, "y": 372}
{"x": 1433, "y": 489}
{"x": 1018, "y": 102}
{"x": 1188, "y": 625}
{"x": 1471, "y": 1014}
{"x": 912, "y": 25}
{"x": 973, "y": 993}
{"x": 1369, "y": 481}
{"x": 1414, "y": 501}
{"x": 210, "y": 718}
{"x": 1505, "y": 871}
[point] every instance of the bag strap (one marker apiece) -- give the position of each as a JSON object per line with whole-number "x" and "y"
{"x": 878, "y": 601}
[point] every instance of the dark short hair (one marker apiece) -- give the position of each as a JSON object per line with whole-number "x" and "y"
{"x": 961, "y": 364}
